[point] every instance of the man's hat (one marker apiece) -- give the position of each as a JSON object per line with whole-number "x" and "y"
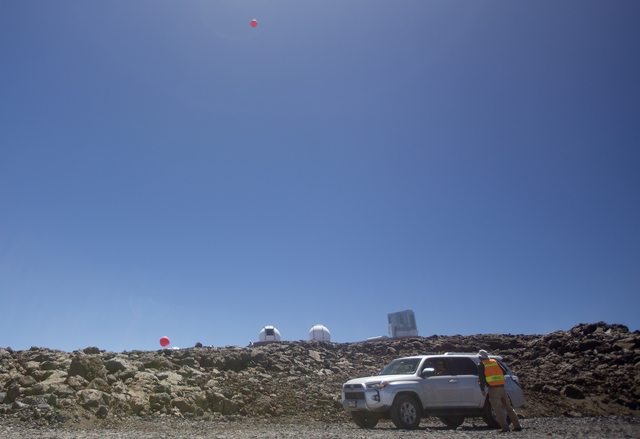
{"x": 483, "y": 354}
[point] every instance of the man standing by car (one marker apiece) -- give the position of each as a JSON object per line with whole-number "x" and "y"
{"x": 491, "y": 375}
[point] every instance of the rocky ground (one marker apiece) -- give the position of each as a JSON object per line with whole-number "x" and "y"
{"x": 172, "y": 428}
{"x": 592, "y": 370}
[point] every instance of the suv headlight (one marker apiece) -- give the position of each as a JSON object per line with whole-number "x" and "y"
{"x": 377, "y": 385}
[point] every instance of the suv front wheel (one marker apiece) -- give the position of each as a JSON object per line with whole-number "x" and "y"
{"x": 405, "y": 413}
{"x": 364, "y": 419}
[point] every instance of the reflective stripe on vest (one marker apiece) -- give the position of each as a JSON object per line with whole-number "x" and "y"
{"x": 493, "y": 373}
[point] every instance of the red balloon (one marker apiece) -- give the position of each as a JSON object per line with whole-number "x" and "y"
{"x": 254, "y": 23}
{"x": 164, "y": 341}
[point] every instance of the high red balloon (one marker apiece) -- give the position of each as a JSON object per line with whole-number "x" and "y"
{"x": 254, "y": 23}
{"x": 164, "y": 341}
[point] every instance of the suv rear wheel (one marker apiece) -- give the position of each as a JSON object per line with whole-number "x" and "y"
{"x": 405, "y": 413}
{"x": 452, "y": 421}
{"x": 364, "y": 419}
{"x": 489, "y": 415}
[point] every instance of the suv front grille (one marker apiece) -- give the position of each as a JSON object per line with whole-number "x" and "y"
{"x": 353, "y": 395}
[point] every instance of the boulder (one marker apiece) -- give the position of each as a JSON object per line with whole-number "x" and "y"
{"x": 14, "y": 391}
{"x": 91, "y": 398}
{"x": 158, "y": 401}
{"x": 19, "y": 405}
{"x": 37, "y": 389}
{"x": 572, "y": 392}
{"x": 183, "y": 405}
{"x": 31, "y": 366}
{"x": 126, "y": 374}
{"x": 139, "y": 405}
{"x": 52, "y": 400}
{"x": 117, "y": 364}
{"x": 77, "y": 382}
{"x": 102, "y": 412}
{"x": 26, "y": 381}
{"x": 100, "y": 384}
{"x": 49, "y": 365}
{"x": 159, "y": 363}
{"x": 63, "y": 391}
{"x": 88, "y": 367}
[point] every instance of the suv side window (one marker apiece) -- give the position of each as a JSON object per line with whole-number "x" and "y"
{"x": 441, "y": 365}
{"x": 465, "y": 366}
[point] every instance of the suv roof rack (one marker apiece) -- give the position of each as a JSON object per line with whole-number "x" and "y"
{"x": 475, "y": 354}
{"x": 461, "y": 353}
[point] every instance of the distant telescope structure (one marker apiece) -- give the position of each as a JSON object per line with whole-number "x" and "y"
{"x": 269, "y": 334}
{"x": 402, "y": 324}
{"x": 319, "y": 333}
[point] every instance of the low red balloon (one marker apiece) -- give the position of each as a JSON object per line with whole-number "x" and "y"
{"x": 164, "y": 341}
{"x": 254, "y": 23}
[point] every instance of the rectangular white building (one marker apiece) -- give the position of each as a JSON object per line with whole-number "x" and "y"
{"x": 402, "y": 324}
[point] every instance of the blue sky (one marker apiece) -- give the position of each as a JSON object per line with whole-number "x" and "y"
{"x": 166, "y": 169}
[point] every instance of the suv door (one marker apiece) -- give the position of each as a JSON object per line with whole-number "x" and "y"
{"x": 512, "y": 387}
{"x": 467, "y": 376}
{"x": 441, "y": 390}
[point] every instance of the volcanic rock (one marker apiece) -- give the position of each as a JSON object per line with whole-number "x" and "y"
{"x": 590, "y": 370}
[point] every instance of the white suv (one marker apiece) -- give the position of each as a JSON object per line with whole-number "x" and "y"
{"x": 409, "y": 389}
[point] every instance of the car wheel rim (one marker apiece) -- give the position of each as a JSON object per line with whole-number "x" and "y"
{"x": 408, "y": 413}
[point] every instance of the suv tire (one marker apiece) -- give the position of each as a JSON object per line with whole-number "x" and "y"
{"x": 490, "y": 417}
{"x": 364, "y": 419}
{"x": 405, "y": 413}
{"x": 453, "y": 421}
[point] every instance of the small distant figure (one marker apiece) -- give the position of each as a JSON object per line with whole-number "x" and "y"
{"x": 491, "y": 375}
{"x": 254, "y": 22}
{"x": 198, "y": 345}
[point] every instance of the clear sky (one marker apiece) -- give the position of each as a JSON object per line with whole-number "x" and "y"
{"x": 166, "y": 169}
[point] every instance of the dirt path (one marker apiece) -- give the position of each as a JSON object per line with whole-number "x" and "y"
{"x": 166, "y": 428}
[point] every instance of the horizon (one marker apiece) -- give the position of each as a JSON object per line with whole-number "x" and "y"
{"x": 257, "y": 344}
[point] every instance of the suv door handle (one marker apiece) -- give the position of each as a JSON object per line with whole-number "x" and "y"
{"x": 453, "y": 381}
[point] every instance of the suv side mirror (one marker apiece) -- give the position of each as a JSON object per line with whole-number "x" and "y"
{"x": 427, "y": 371}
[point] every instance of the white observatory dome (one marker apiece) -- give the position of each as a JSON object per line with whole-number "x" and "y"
{"x": 319, "y": 333}
{"x": 269, "y": 333}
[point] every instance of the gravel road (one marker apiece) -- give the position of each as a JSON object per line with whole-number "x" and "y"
{"x": 611, "y": 428}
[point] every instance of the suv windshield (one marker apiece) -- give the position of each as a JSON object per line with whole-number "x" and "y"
{"x": 402, "y": 366}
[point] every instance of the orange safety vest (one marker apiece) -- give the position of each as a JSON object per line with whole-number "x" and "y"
{"x": 493, "y": 373}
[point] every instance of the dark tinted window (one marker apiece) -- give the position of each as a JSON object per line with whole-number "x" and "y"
{"x": 465, "y": 366}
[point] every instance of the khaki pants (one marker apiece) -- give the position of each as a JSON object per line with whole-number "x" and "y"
{"x": 499, "y": 399}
